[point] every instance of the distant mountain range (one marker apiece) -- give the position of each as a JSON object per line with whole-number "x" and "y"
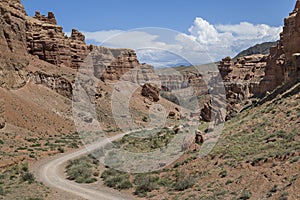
{"x": 263, "y": 48}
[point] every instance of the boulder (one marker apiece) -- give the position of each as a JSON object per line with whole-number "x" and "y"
{"x": 214, "y": 111}
{"x": 199, "y": 137}
{"x": 151, "y": 92}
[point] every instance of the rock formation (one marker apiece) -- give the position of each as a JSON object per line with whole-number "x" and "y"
{"x": 243, "y": 76}
{"x": 48, "y": 41}
{"x": 55, "y": 82}
{"x": 13, "y": 51}
{"x": 22, "y": 37}
{"x": 121, "y": 64}
{"x": 214, "y": 111}
{"x": 151, "y": 92}
{"x": 172, "y": 80}
{"x": 199, "y": 137}
{"x": 122, "y": 61}
{"x": 241, "y": 79}
{"x": 283, "y": 62}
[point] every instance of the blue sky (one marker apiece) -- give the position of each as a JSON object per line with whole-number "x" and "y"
{"x": 224, "y": 27}
{"x": 93, "y": 15}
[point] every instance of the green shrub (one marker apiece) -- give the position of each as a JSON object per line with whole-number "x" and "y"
{"x": 61, "y": 150}
{"x": 153, "y": 140}
{"x": 2, "y": 191}
{"x": 228, "y": 182}
{"x": 81, "y": 170}
{"x": 284, "y": 196}
{"x": 116, "y": 179}
{"x": 28, "y": 177}
{"x": 245, "y": 195}
{"x": 81, "y": 173}
{"x": 1, "y": 142}
{"x": 223, "y": 174}
{"x": 24, "y": 167}
{"x": 145, "y": 119}
{"x": 295, "y": 159}
{"x": 145, "y": 183}
{"x": 177, "y": 165}
{"x": 183, "y": 181}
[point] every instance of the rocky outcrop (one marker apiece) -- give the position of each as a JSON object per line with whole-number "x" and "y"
{"x": 214, "y": 111}
{"x": 22, "y": 36}
{"x": 283, "y": 65}
{"x": 55, "y": 82}
{"x": 48, "y": 41}
{"x": 247, "y": 70}
{"x": 172, "y": 80}
{"x": 111, "y": 64}
{"x": 199, "y": 137}
{"x": 241, "y": 81}
{"x": 151, "y": 92}
{"x": 121, "y": 64}
{"x": 13, "y": 52}
{"x": 50, "y": 19}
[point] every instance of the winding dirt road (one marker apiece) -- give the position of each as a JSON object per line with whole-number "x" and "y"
{"x": 51, "y": 173}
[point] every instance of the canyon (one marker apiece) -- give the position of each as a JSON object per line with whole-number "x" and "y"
{"x": 39, "y": 67}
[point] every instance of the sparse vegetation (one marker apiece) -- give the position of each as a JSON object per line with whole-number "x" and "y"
{"x": 2, "y": 191}
{"x": 81, "y": 170}
{"x": 29, "y": 177}
{"x": 245, "y": 195}
{"x": 145, "y": 119}
{"x": 284, "y": 196}
{"x": 116, "y": 179}
{"x": 183, "y": 180}
{"x": 223, "y": 174}
{"x": 170, "y": 97}
{"x": 146, "y": 141}
{"x": 261, "y": 143}
{"x": 145, "y": 183}
{"x": 272, "y": 191}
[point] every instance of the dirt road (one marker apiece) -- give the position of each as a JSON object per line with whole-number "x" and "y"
{"x": 51, "y": 173}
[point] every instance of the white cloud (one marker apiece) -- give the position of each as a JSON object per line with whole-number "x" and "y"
{"x": 204, "y": 32}
{"x": 204, "y": 42}
{"x": 229, "y": 40}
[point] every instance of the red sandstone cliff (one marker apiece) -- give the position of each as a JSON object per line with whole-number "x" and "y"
{"x": 13, "y": 50}
{"x": 283, "y": 63}
{"x": 40, "y": 38}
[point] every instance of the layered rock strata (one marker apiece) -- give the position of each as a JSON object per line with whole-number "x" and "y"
{"x": 283, "y": 63}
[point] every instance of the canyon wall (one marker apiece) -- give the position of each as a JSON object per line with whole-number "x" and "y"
{"x": 283, "y": 63}
{"x": 23, "y": 37}
{"x": 47, "y": 40}
{"x": 13, "y": 50}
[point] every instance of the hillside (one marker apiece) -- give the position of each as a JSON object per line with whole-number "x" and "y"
{"x": 263, "y": 48}
{"x": 38, "y": 66}
{"x": 256, "y": 157}
{"x": 48, "y": 80}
